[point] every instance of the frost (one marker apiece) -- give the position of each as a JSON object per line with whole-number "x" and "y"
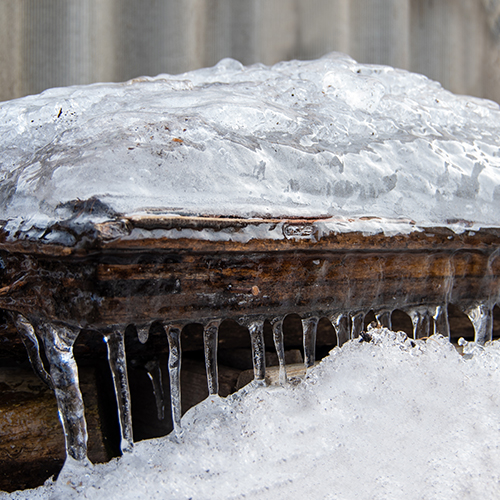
{"x": 325, "y": 138}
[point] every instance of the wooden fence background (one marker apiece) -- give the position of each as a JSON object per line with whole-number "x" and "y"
{"x": 47, "y": 43}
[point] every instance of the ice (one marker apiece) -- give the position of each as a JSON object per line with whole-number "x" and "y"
{"x": 384, "y": 319}
{"x": 210, "y": 341}
{"x": 30, "y": 341}
{"x": 309, "y": 326}
{"x": 441, "y": 324}
{"x": 279, "y": 345}
{"x": 421, "y": 322}
{"x": 340, "y": 322}
{"x": 118, "y": 364}
{"x": 354, "y": 147}
{"x": 58, "y": 342}
{"x": 155, "y": 375}
{"x": 327, "y": 138}
{"x": 481, "y": 316}
{"x": 174, "y": 372}
{"x": 256, "y": 329}
{"x": 391, "y": 418}
{"x": 357, "y": 320}
{"x": 143, "y": 333}
{"x": 426, "y": 318}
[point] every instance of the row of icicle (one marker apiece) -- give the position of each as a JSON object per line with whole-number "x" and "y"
{"x": 58, "y": 340}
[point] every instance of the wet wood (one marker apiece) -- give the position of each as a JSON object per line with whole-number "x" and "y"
{"x": 294, "y": 372}
{"x": 31, "y": 436}
{"x": 147, "y": 280}
{"x": 111, "y": 277}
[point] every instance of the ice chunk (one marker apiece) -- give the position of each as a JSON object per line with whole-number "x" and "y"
{"x": 324, "y": 138}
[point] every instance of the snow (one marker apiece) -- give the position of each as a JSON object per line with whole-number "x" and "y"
{"x": 327, "y": 138}
{"x": 392, "y": 418}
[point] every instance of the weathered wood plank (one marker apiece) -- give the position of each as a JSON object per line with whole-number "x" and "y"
{"x": 31, "y": 437}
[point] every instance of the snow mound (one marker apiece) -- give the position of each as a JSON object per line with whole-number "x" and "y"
{"x": 323, "y": 138}
{"x": 388, "y": 418}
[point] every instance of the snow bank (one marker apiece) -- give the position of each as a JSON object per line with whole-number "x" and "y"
{"x": 324, "y": 138}
{"x": 392, "y": 418}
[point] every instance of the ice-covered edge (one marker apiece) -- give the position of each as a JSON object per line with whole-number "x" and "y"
{"x": 326, "y": 138}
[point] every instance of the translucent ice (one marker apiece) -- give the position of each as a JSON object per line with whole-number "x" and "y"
{"x": 280, "y": 348}
{"x": 58, "y": 341}
{"x": 118, "y": 364}
{"x": 320, "y": 138}
{"x": 390, "y": 418}
{"x": 154, "y": 373}
{"x": 210, "y": 338}
{"x": 174, "y": 371}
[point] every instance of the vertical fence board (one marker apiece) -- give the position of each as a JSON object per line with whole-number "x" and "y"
{"x": 380, "y": 32}
{"x": 11, "y": 34}
{"x": 323, "y": 26}
{"x": 63, "y": 42}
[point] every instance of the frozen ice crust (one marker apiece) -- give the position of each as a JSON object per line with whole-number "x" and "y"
{"x": 324, "y": 138}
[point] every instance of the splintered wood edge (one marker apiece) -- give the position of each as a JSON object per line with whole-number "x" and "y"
{"x": 419, "y": 238}
{"x": 115, "y": 235}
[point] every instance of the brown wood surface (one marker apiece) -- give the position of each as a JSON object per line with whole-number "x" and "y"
{"x": 31, "y": 436}
{"x": 142, "y": 281}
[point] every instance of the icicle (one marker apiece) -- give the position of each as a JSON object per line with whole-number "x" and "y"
{"x": 154, "y": 373}
{"x": 481, "y": 316}
{"x": 357, "y": 320}
{"x": 309, "y": 326}
{"x": 384, "y": 319}
{"x": 58, "y": 341}
{"x": 118, "y": 364}
{"x": 174, "y": 372}
{"x": 279, "y": 344}
{"x": 441, "y": 324}
{"x": 30, "y": 341}
{"x": 210, "y": 340}
{"x": 256, "y": 329}
{"x": 143, "y": 333}
{"x": 420, "y": 319}
{"x": 341, "y": 324}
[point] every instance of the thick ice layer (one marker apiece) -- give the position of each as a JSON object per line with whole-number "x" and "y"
{"x": 394, "y": 418}
{"x": 329, "y": 137}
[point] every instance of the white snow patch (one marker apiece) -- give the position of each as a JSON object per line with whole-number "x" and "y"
{"x": 388, "y": 419}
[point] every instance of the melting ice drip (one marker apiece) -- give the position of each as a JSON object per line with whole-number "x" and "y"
{"x": 58, "y": 341}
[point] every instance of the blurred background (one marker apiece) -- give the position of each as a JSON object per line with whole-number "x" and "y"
{"x": 49, "y": 43}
